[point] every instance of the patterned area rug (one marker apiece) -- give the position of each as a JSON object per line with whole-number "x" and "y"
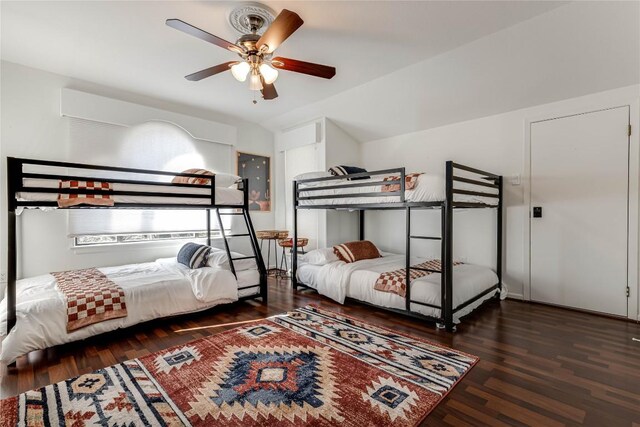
{"x": 308, "y": 367}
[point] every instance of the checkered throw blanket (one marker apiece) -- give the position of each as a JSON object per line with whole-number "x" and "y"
{"x": 66, "y": 200}
{"x": 410, "y": 182}
{"x": 396, "y": 281}
{"x": 91, "y": 297}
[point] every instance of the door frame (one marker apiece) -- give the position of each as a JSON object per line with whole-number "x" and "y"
{"x": 584, "y": 107}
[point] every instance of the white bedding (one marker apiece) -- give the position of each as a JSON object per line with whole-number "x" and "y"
{"x": 224, "y": 196}
{"x": 429, "y": 188}
{"x": 338, "y": 280}
{"x": 152, "y": 290}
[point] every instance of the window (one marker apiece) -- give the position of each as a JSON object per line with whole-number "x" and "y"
{"x": 152, "y": 145}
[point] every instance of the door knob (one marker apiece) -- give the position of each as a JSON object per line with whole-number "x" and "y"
{"x": 537, "y": 211}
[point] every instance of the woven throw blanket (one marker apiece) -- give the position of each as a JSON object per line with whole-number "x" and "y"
{"x": 396, "y": 281}
{"x": 66, "y": 200}
{"x": 410, "y": 182}
{"x": 91, "y": 297}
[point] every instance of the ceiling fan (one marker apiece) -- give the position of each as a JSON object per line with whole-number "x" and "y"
{"x": 256, "y": 51}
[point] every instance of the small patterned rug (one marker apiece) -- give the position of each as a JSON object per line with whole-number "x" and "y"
{"x": 308, "y": 367}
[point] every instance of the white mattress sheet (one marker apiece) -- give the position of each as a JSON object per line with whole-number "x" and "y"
{"x": 429, "y": 188}
{"x": 359, "y": 278}
{"x": 224, "y": 196}
{"x": 152, "y": 290}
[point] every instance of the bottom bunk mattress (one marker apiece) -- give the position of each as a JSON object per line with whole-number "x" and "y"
{"x": 339, "y": 280}
{"x": 152, "y": 290}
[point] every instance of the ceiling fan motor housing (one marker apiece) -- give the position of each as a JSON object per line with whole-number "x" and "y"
{"x": 249, "y": 41}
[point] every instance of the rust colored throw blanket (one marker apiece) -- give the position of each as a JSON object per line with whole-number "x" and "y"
{"x": 67, "y": 200}
{"x": 91, "y": 297}
{"x": 395, "y": 281}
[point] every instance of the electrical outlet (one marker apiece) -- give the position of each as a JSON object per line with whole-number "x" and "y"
{"x": 3, "y": 277}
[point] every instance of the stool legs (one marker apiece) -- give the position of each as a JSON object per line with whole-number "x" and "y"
{"x": 268, "y": 255}
{"x": 284, "y": 272}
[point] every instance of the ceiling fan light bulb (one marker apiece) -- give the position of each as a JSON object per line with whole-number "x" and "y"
{"x": 254, "y": 82}
{"x": 240, "y": 71}
{"x": 269, "y": 73}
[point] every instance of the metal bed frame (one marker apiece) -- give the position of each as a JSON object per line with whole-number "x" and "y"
{"x": 477, "y": 184}
{"x": 15, "y": 185}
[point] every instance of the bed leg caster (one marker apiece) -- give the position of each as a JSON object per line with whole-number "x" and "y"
{"x": 443, "y": 326}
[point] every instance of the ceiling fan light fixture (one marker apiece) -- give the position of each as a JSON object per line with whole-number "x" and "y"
{"x": 254, "y": 81}
{"x": 269, "y": 73}
{"x": 240, "y": 71}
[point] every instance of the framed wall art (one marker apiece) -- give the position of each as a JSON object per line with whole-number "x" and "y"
{"x": 257, "y": 169}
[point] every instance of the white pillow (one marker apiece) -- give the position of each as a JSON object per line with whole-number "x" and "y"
{"x": 319, "y": 256}
{"x": 213, "y": 284}
{"x": 312, "y": 175}
{"x": 226, "y": 179}
{"x": 208, "y": 284}
{"x": 218, "y": 258}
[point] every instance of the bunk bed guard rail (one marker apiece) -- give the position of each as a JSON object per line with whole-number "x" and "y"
{"x": 16, "y": 176}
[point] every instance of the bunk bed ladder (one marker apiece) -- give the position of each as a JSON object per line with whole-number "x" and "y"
{"x": 256, "y": 251}
{"x": 408, "y": 265}
{"x": 257, "y": 255}
{"x": 226, "y": 244}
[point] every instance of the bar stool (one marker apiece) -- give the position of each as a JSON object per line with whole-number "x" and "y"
{"x": 288, "y": 243}
{"x": 271, "y": 236}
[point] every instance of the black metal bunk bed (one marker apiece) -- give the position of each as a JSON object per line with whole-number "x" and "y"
{"x": 15, "y": 185}
{"x": 476, "y": 182}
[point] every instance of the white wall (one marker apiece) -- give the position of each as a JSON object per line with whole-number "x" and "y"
{"x": 332, "y": 146}
{"x": 32, "y": 127}
{"x": 495, "y": 144}
{"x": 342, "y": 149}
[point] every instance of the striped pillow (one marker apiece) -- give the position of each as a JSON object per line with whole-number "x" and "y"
{"x": 192, "y": 179}
{"x": 193, "y": 255}
{"x": 347, "y": 170}
{"x": 356, "y": 251}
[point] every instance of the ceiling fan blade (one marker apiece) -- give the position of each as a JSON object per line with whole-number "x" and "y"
{"x": 203, "y": 35}
{"x": 285, "y": 24}
{"x": 310, "y": 68}
{"x": 208, "y": 72}
{"x": 268, "y": 90}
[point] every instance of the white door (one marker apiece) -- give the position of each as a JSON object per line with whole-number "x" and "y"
{"x": 580, "y": 181}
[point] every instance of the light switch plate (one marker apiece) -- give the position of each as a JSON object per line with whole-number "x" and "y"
{"x": 515, "y": 179}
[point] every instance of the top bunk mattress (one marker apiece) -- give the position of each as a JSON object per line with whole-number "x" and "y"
{"x": 429, "y": 188}
{"x": 223, "y": 195}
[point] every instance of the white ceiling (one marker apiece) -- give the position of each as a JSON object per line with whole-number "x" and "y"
{"x": 126, "y": 45}
{"x": 578, "y": 49}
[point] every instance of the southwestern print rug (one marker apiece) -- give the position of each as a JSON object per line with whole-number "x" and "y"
{"x": 308, "y": 367}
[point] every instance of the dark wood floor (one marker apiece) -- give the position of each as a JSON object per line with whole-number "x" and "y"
{"x": 539, "y": 365}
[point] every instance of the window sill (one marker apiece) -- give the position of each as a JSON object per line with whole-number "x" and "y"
{"x": 134, "y": 246}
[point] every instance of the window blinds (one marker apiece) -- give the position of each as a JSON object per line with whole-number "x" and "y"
{"x": 151, "y": 145}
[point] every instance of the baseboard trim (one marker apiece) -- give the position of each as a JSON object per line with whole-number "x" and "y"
{"x": 512, "y": 295}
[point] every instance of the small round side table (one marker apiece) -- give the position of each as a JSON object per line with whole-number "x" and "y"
{"x": 288, "y": 243}
{"x": 271, "y": 236}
